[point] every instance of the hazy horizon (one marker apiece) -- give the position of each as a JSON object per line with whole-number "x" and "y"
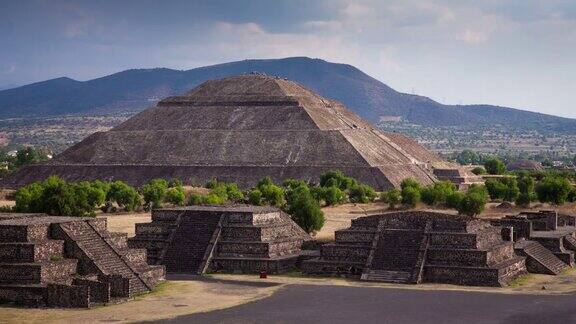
{"x": 517, "y": 54}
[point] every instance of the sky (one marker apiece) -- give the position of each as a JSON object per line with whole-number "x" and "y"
{"x": 515, "y": 53}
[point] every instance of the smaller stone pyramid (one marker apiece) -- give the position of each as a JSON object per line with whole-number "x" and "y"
{"x": 221, "y": 238}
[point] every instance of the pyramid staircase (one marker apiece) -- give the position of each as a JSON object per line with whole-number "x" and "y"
{"x": 398, "y": 256}
{"x": 538, "y": 258}
{"x": 69, "y": 262}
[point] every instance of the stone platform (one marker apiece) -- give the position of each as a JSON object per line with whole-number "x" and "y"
{"x": 240, "y": 238}
{"x": 49, "y": 261}
{"x": 419, "y": 246}
{"x": 547, "y": 228}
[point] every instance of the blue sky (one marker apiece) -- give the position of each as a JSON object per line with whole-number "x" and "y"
{"x": 518, "y": 53}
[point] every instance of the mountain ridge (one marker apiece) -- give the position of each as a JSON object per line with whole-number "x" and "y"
{"x": 363, "y": 94}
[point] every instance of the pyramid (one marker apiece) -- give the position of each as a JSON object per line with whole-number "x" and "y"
{"x": 241, "y": 129}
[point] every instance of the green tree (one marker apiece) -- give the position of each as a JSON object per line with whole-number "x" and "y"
{"x": 553, "y": 190}
{"x": 362, "y": 193}
{"x": 305, "y": 211}
{"x": 124, "y": 195}
{"x": 333, "y": 196}
{"x": 391, "y": 197}
{"x": 255, "y": 197}
{"x": 473, "y": 203}
{"x": 479, "y": 171}
{"x": 154, "y": 193}
{"x": 526, "y": 186}
{"x": 29, "y": 155}
{"x": 494, "y": 166}
{"x": 410, "y": 196}
{"x": 437, "y": 193}
{"x": 454, "y": 200}
{"x": 468, "y": 157}
{"x": 271, "y": 193}
{"x": 234, "y": 193}
{"x": 176, "y": 196}
{"x": 337, "y": 179}
{"x": 409, "y": 182}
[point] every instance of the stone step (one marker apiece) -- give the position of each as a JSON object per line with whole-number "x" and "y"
{"x": 387, "y": 276}
{"x": 540, "y": 259}
{"x": 570, "y": 242}
{"x": 37, "y": 273}
{"x": 23, "y": 252}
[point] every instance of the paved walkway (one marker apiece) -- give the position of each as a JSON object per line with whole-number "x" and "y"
{"x": 339, "y": 304}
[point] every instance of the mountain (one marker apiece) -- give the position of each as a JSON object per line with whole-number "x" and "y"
{"x": 368, "y": 97}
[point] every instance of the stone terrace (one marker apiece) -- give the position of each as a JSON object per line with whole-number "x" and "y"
{"x": 68, "y": 262}
{"x": 221, "y": 238}
{"x": 419, "y": 246}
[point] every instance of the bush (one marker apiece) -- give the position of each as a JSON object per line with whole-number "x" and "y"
{"x": 176, "y": 196}
{"x": 409, "y": 182}
{"x": 55, "y": 196}
{"x": 196, "y": 199}
{"x": 410, "y": 196}
{"x": 124, "y": 195}
{"x": 553, "y": 190}
{"x": 473, "y": 203}
{"x": 333, "y": 196}
{"x": 154, "y": 193}
{"x": 494, "y": 166}
{"x": 211, "y": 184}
{"x": 391, "y": 197}
{"x": 526, "y": 185}
{"x": 234, "y": 193}
{"x": 572, "y": 195}
{"x": 361, "y": 193}
{"x": 505, "y": 189}
{"x": 479, "y": 171}
{"x": 337, "y": 179}
{"x": 437, "y": 193}
{"x": 213, "y": 199}
{"x": 305, "y": 211}
{"x": 454, "y": 200}
{"x": 255, "y": 197}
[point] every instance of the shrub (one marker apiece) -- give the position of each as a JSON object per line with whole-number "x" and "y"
{"x": 496, "y": 189}
{"x": 473, "y": 203}
{"x": 255, "y": 197}
{"x": 29, "y": 198}
{"x": 454, "y": 200}
{"x": 391, "y": 197}
{"x": 234, "y": 193}
{"x": 124, "y": 195}
{"x": 362, "y": 193}
{"x": 572, "y": 195}
{"x": 494, "y": 166}
{"x": 409, "y": 182}
{"x": 305, "y": 211}
{"x": 526, "y": 185}
{"x": 410, "y": 196}
{"x": 436, "y": 194}
{"x": 154, "y": 193}
{"x": 479, "y": 171}
{"x": 334, "y": 196}
{"x": 176, "y": 196}
{"x": 337, "y": 179}
{"x": 213, "y": 199}
{"x": 196, "y": 199}
{"x": 271, "y": 193}
{"x": 211, "y": 184}
{"x": 553, "y": 190}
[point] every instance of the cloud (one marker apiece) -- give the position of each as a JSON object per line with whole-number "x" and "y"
{"x": 473, "y": 37}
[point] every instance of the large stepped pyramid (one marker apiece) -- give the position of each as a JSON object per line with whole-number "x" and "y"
{"x": 221, "y": 238}
{"x": 240, "y": 129}
{"x": 420, "y": 246}
{"x": 69, "y": 262}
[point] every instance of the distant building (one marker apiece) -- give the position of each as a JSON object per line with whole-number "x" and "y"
{"x": 527, "y": 165}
